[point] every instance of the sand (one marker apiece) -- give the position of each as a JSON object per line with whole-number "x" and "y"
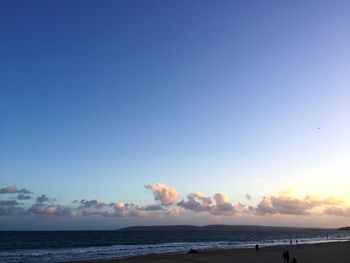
{"x": 337, "y": 252}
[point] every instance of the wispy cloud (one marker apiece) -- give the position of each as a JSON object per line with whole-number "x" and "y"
{"x": 12, "y": 189}
{"x": 91, "y": 204}
{"x": 154, "y": 207}
{"x": 23, "y": 197}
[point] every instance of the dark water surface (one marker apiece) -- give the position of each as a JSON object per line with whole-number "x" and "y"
{"x": 60, "y": 246}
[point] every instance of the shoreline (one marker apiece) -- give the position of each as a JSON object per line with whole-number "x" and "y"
{"x": 325, "y": 252}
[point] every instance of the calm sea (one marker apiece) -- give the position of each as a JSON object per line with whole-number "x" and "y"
{"x": 60, "y": 246}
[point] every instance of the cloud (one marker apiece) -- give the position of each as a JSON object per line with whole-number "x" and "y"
{"x": 44, "y": 207}
{"x": 285, "y": 205}
{"x": 223, "y": 205}
{"x": 288, "y": 205}
{"x": 196, "y": 202}
{"x": 43, "y": 199}
{"x": 266, "y": 207}
{"x": 173, "y": 211}
{"x": 23, "y": 197}
{"x": 50, "y": 209}
{"x": 8, "y": 207}
{"x": 120, "y": 209}
{"x": 329, "y": 201}
{"x": 164, "y": 194}
{"x": 93, "y": 207}
{"x": 153, "y": 207}
{"x": 124, "y": 210}
{"x": 167, "y": 204}
{"x": 337, "y": 211}
{"x": 219, "y": 205}
{"x": 91, "y": 204}
{"x": 12, "y": 189}
{"x": 8, "y": 202}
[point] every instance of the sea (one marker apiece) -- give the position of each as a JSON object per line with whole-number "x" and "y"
{"x": 63, "y": 246}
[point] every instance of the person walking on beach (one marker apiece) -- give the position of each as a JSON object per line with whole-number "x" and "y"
{"x": 287, "y": 256}
{"x": 257, "y": 248}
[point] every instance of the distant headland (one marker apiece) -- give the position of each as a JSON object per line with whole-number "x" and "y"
{"x": 210, "y": 228}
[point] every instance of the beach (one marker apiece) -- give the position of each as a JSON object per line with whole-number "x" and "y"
{"x": 334, "y": 252}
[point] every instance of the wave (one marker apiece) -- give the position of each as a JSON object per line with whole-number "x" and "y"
{"x": 122, "y": 251}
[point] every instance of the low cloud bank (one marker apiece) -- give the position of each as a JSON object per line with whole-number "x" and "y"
{"x": 167, "y": 202}
{"x": 287, "y": 205}
{"x": 338, "y": 211}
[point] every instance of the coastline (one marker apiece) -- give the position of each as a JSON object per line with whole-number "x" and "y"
{"x": 335, "y": 252}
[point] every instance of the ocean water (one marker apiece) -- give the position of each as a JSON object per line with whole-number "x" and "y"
{"x": 61, "y": 246}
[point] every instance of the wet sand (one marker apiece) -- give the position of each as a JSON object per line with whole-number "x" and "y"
{"x": 337, "y": 252}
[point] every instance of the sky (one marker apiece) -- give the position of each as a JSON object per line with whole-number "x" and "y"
{"x": 119, "y": 113}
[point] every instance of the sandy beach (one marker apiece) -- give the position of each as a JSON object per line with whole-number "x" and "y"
{"x": 337, "y": 252}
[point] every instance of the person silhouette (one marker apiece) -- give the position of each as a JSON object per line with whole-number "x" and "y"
{"x": 294, "y": 260}
{"x": 287, "y": 256}
{"x": 257, "y": 248}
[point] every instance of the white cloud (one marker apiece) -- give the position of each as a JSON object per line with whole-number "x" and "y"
{"x": 222, "y": 205}
{"x": 166, "y": 195}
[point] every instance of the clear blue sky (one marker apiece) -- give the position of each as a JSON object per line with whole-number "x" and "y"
{"x": 99, "y": 98}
